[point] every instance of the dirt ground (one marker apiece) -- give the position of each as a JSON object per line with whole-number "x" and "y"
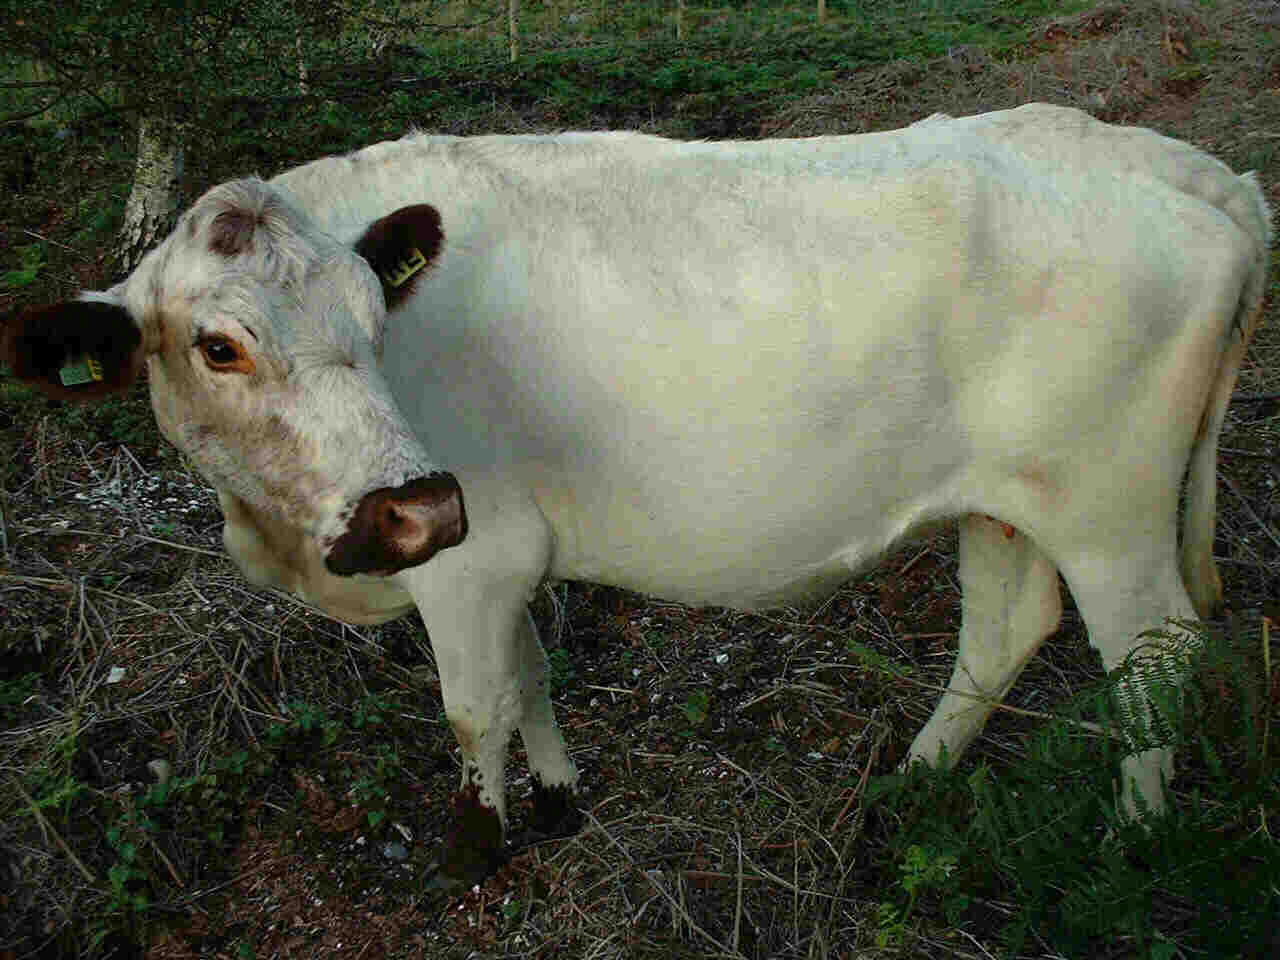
{"x": 707, "y": 738}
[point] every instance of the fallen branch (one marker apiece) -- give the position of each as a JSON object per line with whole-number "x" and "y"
{"x": 48, "y": 828}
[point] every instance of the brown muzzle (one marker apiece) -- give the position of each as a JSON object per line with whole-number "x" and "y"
{"x": 397, "y": 527}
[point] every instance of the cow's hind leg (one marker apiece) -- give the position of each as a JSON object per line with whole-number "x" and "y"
{"x": 1122, "y": 596}
{"x": 555, "y": 779}
{"x": 1010, "y": 601}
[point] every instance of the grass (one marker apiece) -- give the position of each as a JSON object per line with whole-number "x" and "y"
{"x": 192, "y": 768}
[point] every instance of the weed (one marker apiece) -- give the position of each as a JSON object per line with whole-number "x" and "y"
{"x": 307, "y": 720}
{"x": 923, "y": 869}
{"x": 374, "y": 788}
{"x": 126, "y": 876}
{"x": 368, "y": 711}
{"x": 32, "y": 258}
{"x": 217, "y": 798}
{"x": 16, "y": 690}
{"x": 53, "y": 785}
{"x": 1044, "y": 834}
{"x": 697, "y": 707}
{"x": 563, "y": 673}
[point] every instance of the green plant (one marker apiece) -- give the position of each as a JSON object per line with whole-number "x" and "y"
{"x": 369, "y": 710}
{"x": 129, "y": 891}
{"x": 374, "y": 788}
{"x": 923, "y": 869}
{"x": 305, "y": 721}
{"x": 126, "y": 875}
{"x": 562, "y": 671}
{"x": 1043, "y": 834}
{"x": 217, "y": 798}
{"x": 890, "y": 928}
{"x": 697, "y": 707}
{"x": 124, "y": 419}
{"x": 32, "y": 258}
{"x": 53, "y": 785}
{"x": 15, "y": 690}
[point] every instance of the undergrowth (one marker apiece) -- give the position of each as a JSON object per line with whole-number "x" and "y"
{"x": 151, "y": 836}
{"x": 1042, "y": 834}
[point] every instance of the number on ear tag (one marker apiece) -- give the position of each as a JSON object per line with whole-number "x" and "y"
{"x": 397, "y": 274}
{"x": 80, "y": 370}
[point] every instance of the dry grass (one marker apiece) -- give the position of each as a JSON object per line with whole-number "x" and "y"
{"x": 726, "y": 755}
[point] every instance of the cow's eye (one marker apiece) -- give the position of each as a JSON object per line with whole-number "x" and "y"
{"x": 221, "y": 353}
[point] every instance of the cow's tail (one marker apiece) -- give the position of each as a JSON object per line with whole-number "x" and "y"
{"x": 1200, "y": 574}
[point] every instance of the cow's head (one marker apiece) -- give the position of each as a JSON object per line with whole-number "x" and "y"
{"x": 262, "y": 335}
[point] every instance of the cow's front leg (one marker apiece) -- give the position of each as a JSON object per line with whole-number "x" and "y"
{"x": 481, "y": 702}
{"x": 555, "y": 779}
{"x": 476, "y": 630}
{"x": 495, "y": 686}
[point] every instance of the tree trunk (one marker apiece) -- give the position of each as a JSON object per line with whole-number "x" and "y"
{"x": 153, "y": 202}
{"x": 512, "y": 7}
{"x": 303, "y": 87}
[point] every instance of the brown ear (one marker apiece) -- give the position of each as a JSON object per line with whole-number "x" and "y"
{"x": 400, "y": 247}
{"x": 81, "y": 350}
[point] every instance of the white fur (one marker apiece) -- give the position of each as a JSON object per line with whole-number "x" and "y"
{"x": 733, "y": 373}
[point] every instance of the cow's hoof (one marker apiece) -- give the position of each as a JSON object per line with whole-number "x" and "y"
{"x": 452, "y": 879}
{"x": 555, "y": 812}
{"x": 474, "y": 848}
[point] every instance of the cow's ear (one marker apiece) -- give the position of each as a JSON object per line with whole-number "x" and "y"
{"x": 400, "y": 247}
{"x": 82, "y": 349}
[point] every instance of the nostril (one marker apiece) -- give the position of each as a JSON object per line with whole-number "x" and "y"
{"x": 397, "y": 527}
{"x": 393, "y": 516}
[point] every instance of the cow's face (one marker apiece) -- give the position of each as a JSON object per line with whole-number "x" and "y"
{"x": 261, "y": 336}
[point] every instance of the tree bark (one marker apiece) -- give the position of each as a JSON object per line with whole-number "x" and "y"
{"x": 153, "y": 202}
{"x": 300, "y": 50}
{"x": 513, "y": 7}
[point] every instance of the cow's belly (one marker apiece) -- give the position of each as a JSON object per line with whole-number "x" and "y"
{"x": 779, "y": 532}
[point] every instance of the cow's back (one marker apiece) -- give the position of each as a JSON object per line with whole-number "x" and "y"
{"x": 731, "y": 373}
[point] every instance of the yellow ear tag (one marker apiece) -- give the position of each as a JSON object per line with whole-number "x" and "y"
{"x": 80, "y": 370}
{"x": 406, "y": 268}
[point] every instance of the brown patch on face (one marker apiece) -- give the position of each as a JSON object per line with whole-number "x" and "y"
{"x": 401, "y": 247}
{"x": 397, "y": 527}
{"x": 231, "y": 232}
{"x": 473, "y": 848}
{"x": 101, "y": 338}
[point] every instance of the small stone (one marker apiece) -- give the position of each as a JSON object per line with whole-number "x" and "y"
{"x": 395, "y": 851}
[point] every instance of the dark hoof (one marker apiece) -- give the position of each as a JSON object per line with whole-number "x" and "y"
{"x": 454, "y": 879}
{"x": 473, "y": 849}
{"x": 555, "y": 812}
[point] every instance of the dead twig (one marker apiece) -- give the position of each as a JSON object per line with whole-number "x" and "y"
{"x": 675, "y": 905}
{"x": 48, "y": 828}
{"x": 979, "y": 698}
{"x": 181, "y": 546}
{"x": 1248, "y": 507}
{"x": 862, "y": 780}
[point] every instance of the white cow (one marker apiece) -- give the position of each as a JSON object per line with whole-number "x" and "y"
{"x": 728, "y": 373}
